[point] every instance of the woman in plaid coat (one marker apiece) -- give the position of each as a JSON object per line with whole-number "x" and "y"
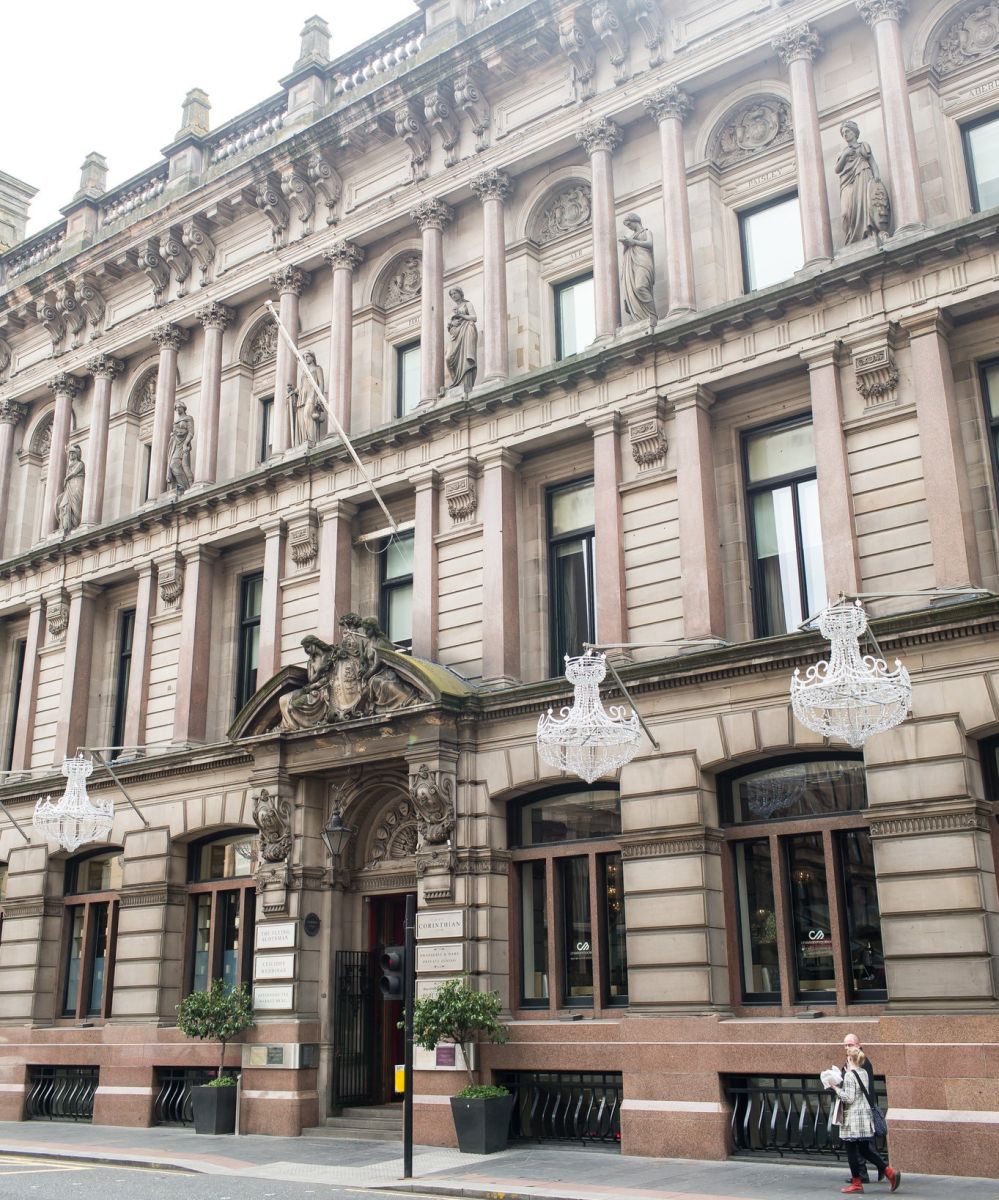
{"x": 856, "y": 1127}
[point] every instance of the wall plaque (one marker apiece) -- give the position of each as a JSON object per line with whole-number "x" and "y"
{"x": 275, "y": 935}
{"x": 447, "y": 924}
{"x": 274, "y": 998}
{"x": 274, "y": 966}
{"x": 449, "y": 956}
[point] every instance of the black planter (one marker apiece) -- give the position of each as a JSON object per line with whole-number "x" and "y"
{"x": 214, "y": 1109}
{"x": 482, "y": 1125}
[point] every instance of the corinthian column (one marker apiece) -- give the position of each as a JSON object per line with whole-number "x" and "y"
{"x": 215, "y": 318}
{"x": 169, "y": 338}
{"x": 290, "y": 283}
{"x": 668, "y": 106}
{"x": 883, "y": 16}
{"x": 104, "y": 369}
{"x": 344, "y": 258}
{"x": 600, "y": 138}
{"x": 797, "y": 48}
{"x": 432, "y": 216}
{"x": 64, "y": 387}
{"x": 493, "y": 188}
{"x": 11, "y": 413}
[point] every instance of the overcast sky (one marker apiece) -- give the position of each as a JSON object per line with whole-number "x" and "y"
{"x": 111, "y": 76}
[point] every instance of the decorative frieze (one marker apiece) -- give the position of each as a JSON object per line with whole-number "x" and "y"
{"x": 969, "y": 820}
{"x": 798, "y": 42}
{"x": 432, "y": 214}
{"x": 470, "y": 98}
{"x": 569, "y": 210}
{"x": 327, "y": 184}
{"x": 602, "y": 134}
{"x": 970, "y": 36}
{"x": 610, "y": 28}
{"x": 758, "y": 124}
{"x": 196, "y": 237}
{"x": 648, "y": 16}
{"x": 877, "y": 376}
{"x": 670, "y": 847}
{"x": 647, "y": 437}
{"x": 462, "y": 498}
{"x": 667, "y": 102}
{"x": 409, "y": 126}
{"x": 438, "y": 108}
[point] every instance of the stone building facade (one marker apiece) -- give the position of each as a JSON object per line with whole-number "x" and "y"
{"x": 795, "y": 396}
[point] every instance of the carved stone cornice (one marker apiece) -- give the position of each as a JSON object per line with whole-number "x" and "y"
{"x": 409, "y": 126}
{"x": 968, "y": 820}
{"x": 290, "y": 279}
{"x": 169, "y": 336}
{"x": 438, "y": 109}
{"x": 344, "y": 254}
{"x": 671, "y": 847}
{"x": 216, "y": 316}
{"x": 609, "y": 26}
{"x": 602, "y": 134}
{"x": 882, "y": 10}
{"x": 469, "y": 97}
{"x": 12, "y": 413}
{"x": 432, "y": 214}
{"x": 105, "y": 367}
{"x": 666, "y": 102}
{"x": 65, "y": 384}
{"x": 797, "y": 43}
{"x": 494, "y": 184}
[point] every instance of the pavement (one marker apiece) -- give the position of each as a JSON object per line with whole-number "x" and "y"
{"x": 525, "y": 1171}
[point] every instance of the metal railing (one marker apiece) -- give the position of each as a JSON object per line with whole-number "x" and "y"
{"x": 173, "y": 1104}
{"x": 61, "y": 1093}
{"x": 565, "y": 1106}
{"x": 787, "y": 1116}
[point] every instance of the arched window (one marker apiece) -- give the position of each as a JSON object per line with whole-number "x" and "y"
{"x": 221, "y": 884}
{"x": 802, "y": 881}
{"x": 569, "y": 899}
{"x": 91, "y": 892}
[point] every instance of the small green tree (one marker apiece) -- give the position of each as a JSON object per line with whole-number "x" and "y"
{"x": 458, "y": 1014}
{"x": 218, "y": 1014}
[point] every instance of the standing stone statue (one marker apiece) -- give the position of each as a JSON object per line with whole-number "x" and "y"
{"x": 69, "y": 502}
{"x": 463, "y": 333}
{"x": 178, "y": 472}
{"x": 863, "y": 196}
{"x": 315, "y": 412}
{"x": 638, "y": 272}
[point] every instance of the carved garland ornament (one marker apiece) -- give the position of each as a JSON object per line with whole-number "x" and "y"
{"x": 272, "y": 816}
{"x": 972, "y": 35}
{"x": 760, "y": 124}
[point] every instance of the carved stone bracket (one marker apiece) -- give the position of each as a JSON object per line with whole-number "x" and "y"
{"x": 171, "y": 579}
{"x": 72, "y": 312}
{"x": 648, "y": 441}
{"x": 609, "y": 26}
{"x": 151, "y": 263}
{"x": 575, "y": 38}
{"x": 267, "y": 196}
{"x": 470, "y": 98}
{"x": 438, "y": 108}
{"x": 435, "y": 869}
{"x": 409, "y": 126}
{"x": 91, "y": 301}
{"x": 649, "y": 19}
{"x": 196, "y": 237}
{"x": 432, "y": 793}
{"x": 877, "y": 375}
{"x": 6, "y": 355}
{"x": 272, "y": 816}
{"x": 272, "y": 880}
{"x": 178, "y": 258}
{"x": 57, "y": 615}
{"x": 462, "y": 498}
{"x": 52, "y": 321}
{"x": 327, "y": 183}
{"x": 303, "y": 540}
{"x": 300, "y": 194}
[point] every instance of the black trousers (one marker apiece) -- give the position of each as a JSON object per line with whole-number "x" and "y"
{"x": 858, "y": 1151}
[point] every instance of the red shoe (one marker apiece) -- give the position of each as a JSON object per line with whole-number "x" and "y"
{"x": 894, "y": 1177}
{"x": 855, "y": 1186}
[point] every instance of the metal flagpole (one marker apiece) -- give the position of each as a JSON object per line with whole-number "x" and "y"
{"x": 304, "y": 366}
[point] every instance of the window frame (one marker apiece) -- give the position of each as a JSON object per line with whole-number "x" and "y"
{"x": 216, "y": 889}
{"x": 16, "y": 685}
{"x": 789, "y": 998}
{"x": 265, "y": 420}
{"x": 145, "y": 470}
{"x": 245, "y": 628}
{"x": 556, "y": 662}
{"x": 746, "y": 214}
{"x": 388, "y": 584}
{"x": 966, "y": 128}
{"x": 792, "y": 479}
{"x": 596, "y": 851}
{"x": 401, "y": 350}
{"x": 122, "y": 674}
{"x": 90, "y": 902}
{"x": 558, "y": 289}
{"x": 991, "y": 422}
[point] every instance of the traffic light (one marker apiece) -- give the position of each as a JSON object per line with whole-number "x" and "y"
{"x": 393, "y": 965}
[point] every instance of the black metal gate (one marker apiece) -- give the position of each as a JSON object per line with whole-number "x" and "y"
{"x": 355, "y": 1049}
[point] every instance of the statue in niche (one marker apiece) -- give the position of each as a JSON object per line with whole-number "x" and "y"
{"x": 463, "y": 334}
{"x": 638, "y": 272}
{"x": 346, "y": 680}
{"x": 178, "y": 472}
{"x": 315, "y": 413}
{"x": 864, "y": 203}
{"x": 69, "y": 502}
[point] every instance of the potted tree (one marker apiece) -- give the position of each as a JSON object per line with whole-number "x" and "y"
{"x": 456, "y": 1013}
{"x": 218, "y": 1014}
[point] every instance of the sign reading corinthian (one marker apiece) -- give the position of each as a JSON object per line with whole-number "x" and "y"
{"x": 348, "y": 680}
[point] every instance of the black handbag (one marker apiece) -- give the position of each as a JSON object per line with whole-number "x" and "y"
{"x": 877, "y": 1116}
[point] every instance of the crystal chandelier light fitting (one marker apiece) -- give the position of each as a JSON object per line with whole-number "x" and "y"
{"x": 74, "y": 819}
{"x": 586, "y": 739}
{"x": 851, "y": 696}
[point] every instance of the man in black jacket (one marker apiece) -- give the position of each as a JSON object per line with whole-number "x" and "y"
{"x": 851, "y": 1041}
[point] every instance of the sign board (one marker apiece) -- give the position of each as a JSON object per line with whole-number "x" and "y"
{"x": 430, "y": 987}
{"x": 271, "y": 936}
{"x": 449, "y": 924}
{"x": 274, "y": 966}
{"x": 447, "y": 1055}
{"x": 275, "y": 998}
{"x": 266, "y": 1056}
{"x": 447, "y": 956}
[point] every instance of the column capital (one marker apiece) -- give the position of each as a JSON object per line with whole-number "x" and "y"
{"x": 216, "y": 316}
{"x": 12, "y": 413}
{"x": 426, "y": 477}
{"x": 882, "y": 10}
{"x": 498, "y": 456}
{"x": 65, "y": 384}
{"x": 606, "y": 422}
{"x": 667, "y": 102}
{"x": 79, "y": 588}
{"x": 797, "y": 43}
{"x": 691, "y": 395}
{"x": 169, "y": 336}
{"x": 105, "y": 367}
{"x": 602, "y": 134}
{"x": 432, "y": 214}
{"x": 290, "y": 279}
{"x": 932, "y": 320}
{"x": 832, "y": 352}
{"x": 344, "y": 255}
{"x": 272, "y": 524}
{"x": 494, "y": 184}
{"x": 332, "y": 508}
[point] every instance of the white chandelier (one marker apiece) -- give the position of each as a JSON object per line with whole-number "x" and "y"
{"x": 852, "y": 696}
{"x": 74, "y": 819}
{"x": 586, "y": 739}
